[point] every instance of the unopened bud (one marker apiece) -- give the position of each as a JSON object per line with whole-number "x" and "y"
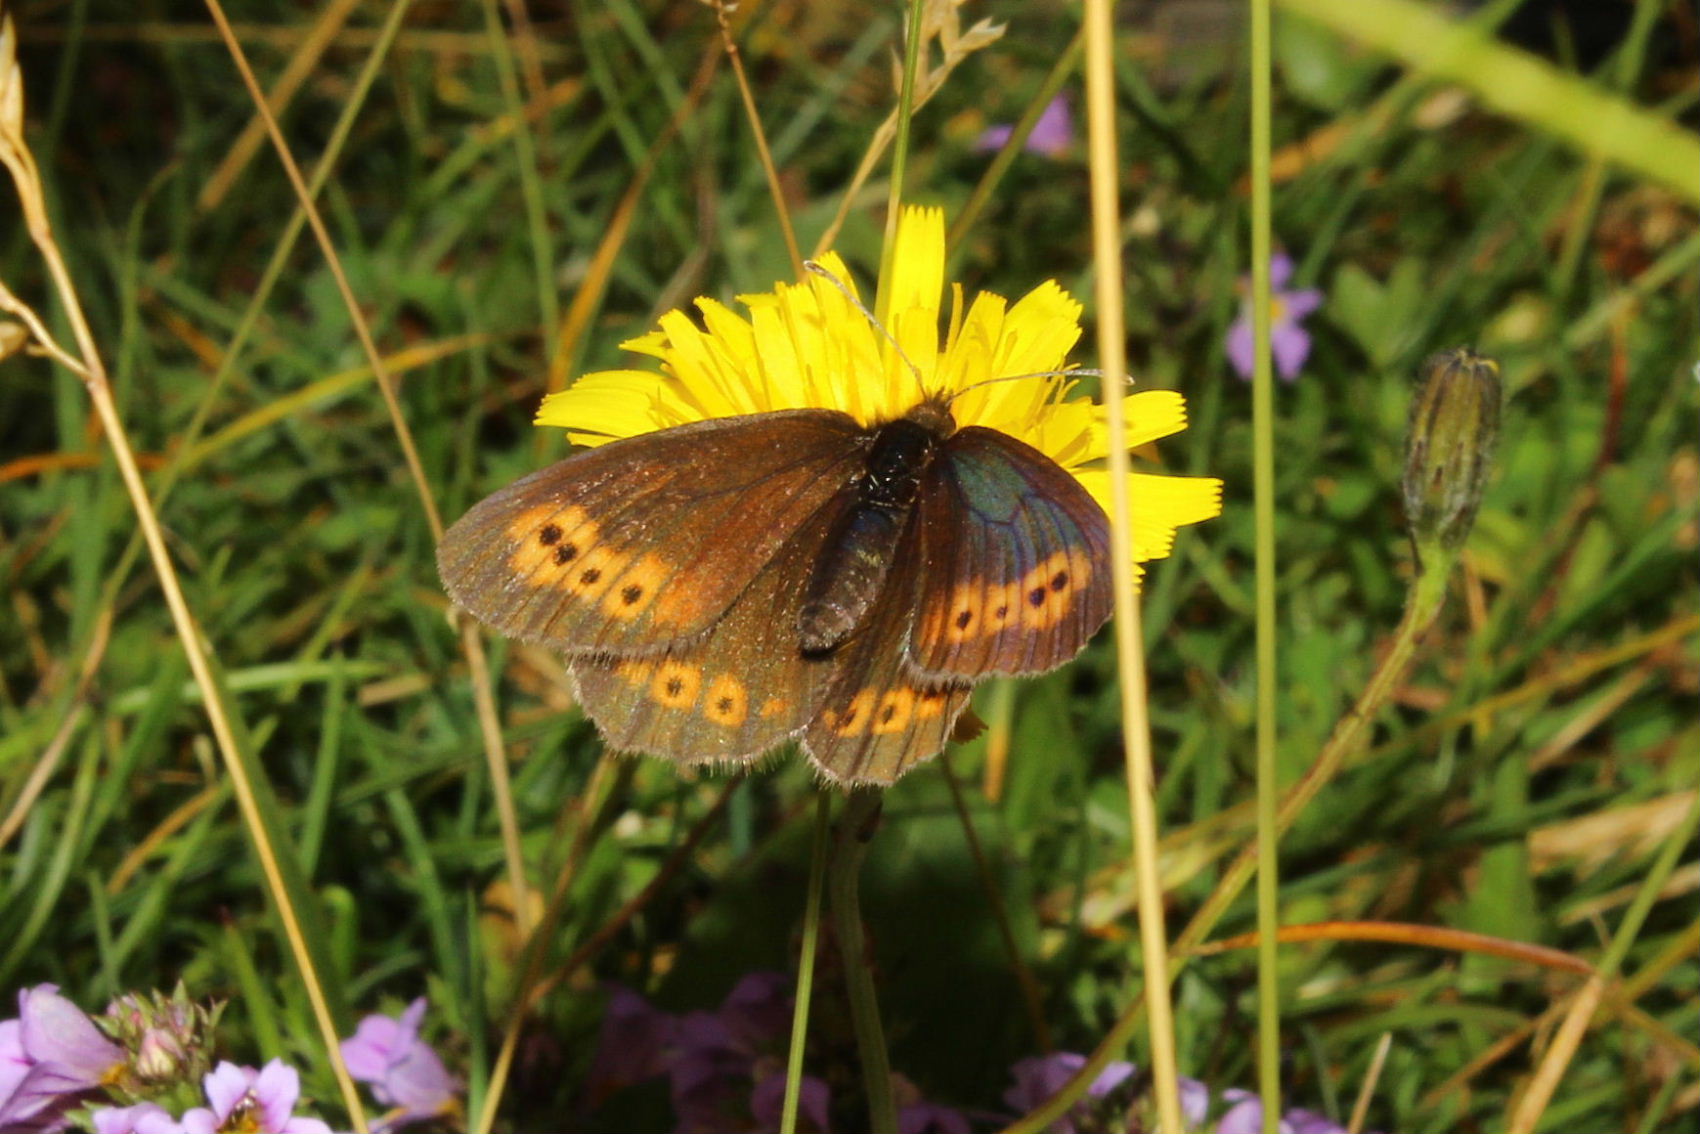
{"x": 1454, "y": 425}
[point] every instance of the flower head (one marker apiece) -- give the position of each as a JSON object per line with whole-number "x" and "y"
{"x": 1051, "y": 137}
{"x": 1289, "y": 342}
{"x": 143, "y": 1118}
{"x": 169, "y": 1038}
{"x": 808, "y": 345}
{"x": 1449, "y": 453}
{"x": 50, "y": 1056}
{"x": 403, "y": 1070}
{"x": 1042, "y": 1076}
{"x": 252, "y": 1102}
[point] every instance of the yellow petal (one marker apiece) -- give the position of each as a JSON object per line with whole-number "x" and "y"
{"x": 1159, "y": 505}
{"x": 917, "y": 264}
{"x": 606, "y": 405}
{"x": 1148, "y": 415}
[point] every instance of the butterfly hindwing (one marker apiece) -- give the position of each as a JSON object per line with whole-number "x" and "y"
{"x": 730, "y": 695}
{"x": 1017, "y": 575}
{"x": 645, "y": 542}
{"x": 878, "y": 717}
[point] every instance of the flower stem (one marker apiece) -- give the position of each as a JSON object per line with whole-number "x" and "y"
{"x": 806, "y": 967}
{"x": 850, "y": 844}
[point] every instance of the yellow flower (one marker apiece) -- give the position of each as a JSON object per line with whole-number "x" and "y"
{"x": 806, "y": 345}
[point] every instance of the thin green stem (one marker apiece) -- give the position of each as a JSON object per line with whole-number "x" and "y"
{"x": 1263, "y": 510}
{"x": 855, "y": 829}
{"x": 530, "y": 184}
{"x": 899, "y": 154}
{"x": 806, "y": 966}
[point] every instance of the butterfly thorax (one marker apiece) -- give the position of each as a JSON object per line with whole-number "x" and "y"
{"x": 858, "y": 554}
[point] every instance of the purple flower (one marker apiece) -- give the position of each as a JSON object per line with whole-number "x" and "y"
{"x": 143, "y": 1118}
{"x": 1245, "y": 1116}
{"x": 49, "y": 1055}
{"x": 635, "y": 1037}
{"x": 714, "y": 1054}
{"x": 258, "y": 1102}
{"x": 1052, "y": 134}
{"x": 1195, "y": 1101}
{"x": 404, "y": 1071}
{"x": 923, "y": 1117}
{"x": 767, "y": 1103}
{"x": 1042, "y": 1076}
{"x": 1288, "y": 340}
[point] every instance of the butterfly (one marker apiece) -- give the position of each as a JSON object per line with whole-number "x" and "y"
{"x": 724, "y": 586}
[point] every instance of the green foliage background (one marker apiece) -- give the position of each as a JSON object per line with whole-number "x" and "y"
{"x": 1540, "y": 750}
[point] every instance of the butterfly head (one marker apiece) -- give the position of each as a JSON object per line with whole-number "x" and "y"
{"x": 932, "y": 413}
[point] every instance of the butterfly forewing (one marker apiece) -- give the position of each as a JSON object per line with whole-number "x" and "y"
{"x": 731, "y": 695}
{"x": 877, "y": 716}
{"x": 1017, "y": 575}
{"x": 645, "y": 542}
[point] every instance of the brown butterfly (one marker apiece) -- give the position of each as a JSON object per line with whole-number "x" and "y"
{"x": 724, "y": 586}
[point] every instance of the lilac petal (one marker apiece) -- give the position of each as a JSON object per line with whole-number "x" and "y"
{"x": 757, "y": 1012}
{"x": 814, "y": 1101}
{"x": 14, "y": 1063}
{"x": 931, "y": 1118}
{"x": 299, "y": 1125}
{"x": 143, "y": 1118}
{"x": 1280, "y": 270}
{"x": 368, "y": 1052}
{"x": 54, "y": 1031}
{"x": 1297, "y": 304}
{"x": 1244, "y": 1115}
{"x": 993, "y": 138}
{"x": 200, "y": 1120}
{"x": 226, "y": 1086}
{"x": 1038, "y": 1078}
{"x": 420, "y": 1083}
{"x": 276, "y": 1089}
{"x": 1301, "y": 1121}
{"x": 1241, "y": 349}
{"x": 413, "y": 1017}
{"x": 1053, "y": 133}
{"x": 1109, "y": 1079}
{"x": 1291, "y": 346}
{"x": 1195, "y": 1101}
{"x": 632, "y": 1044}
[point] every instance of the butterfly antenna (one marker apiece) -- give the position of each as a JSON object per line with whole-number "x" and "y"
{"x": 1127, "y": 379}
{"x": 815, "y": 268}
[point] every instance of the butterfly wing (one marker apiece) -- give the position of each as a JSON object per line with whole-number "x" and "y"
{"x": 1017, "y": 576}
{"x": 736, "y": 692}
{"x": 645, "y": 542}
{"x": 877, "y": 717}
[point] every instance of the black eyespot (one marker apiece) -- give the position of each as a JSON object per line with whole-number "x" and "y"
{"x": 963, "y": 619}
{"x": 890, "y": 711}
{"x": 673, "y": 687}
{"x": 550, "y": 534}
{"x": 566, "y": 553}
{"x": 590, "y": 575}
{"x": 724, "y": 705}
{"x": 1002, "y": 611}
{"x": 1059, "y": 580}
{"x": 1036, "y": 596}
{"x": 631, "y": 594}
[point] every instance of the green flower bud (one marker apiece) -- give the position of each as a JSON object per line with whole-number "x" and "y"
{"x": 1454, "y": 425}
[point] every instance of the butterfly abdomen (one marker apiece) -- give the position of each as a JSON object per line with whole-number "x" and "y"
{"x": 858, "y": 554}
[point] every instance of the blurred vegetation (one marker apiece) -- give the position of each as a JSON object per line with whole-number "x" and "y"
{"x": 1542, "y": 747}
